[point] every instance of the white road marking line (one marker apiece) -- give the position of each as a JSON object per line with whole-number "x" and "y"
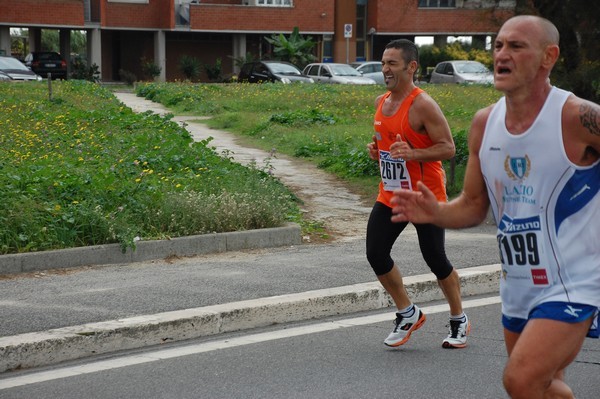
{"x": 163, "y": 354}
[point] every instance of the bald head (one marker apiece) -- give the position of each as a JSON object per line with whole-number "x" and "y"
{"x": 548, "y": 34}
{"x": 526, "y": 48}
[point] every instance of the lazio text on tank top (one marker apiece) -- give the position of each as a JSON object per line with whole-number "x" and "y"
{"x": 399, "y": 173}
{"x": 547, "y": 210}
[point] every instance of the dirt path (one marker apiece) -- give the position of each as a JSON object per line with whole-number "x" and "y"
{"x": 325, "y": 199}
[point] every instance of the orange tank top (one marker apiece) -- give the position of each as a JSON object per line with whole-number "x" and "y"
{"x": 398, "y": 173}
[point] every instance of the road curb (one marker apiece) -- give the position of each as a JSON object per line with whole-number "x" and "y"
{"x": 70, "y": 343}
{"x": 289, "y": 234}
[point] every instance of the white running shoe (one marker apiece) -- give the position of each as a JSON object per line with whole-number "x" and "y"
{"x": 404, "y": 327}
{"x": 457, "y": 338}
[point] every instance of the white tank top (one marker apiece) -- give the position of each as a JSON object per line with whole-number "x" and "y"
{"x": 547, "y": 210}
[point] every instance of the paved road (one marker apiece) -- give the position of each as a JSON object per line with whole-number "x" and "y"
{"x": 337, "y": 357}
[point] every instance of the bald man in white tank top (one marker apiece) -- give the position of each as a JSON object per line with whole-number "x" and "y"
{"x": 534, "y": 156}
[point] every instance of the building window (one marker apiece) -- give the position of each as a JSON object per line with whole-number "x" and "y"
{"x": 437, "y": 3}
{"x": 275, "y": 3}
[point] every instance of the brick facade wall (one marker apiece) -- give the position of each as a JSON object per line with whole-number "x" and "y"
{"x": 386, "y": 16}
{"x": 127, "y": 33}
{"x": 42, "y": 12}
{"x": 308, "y": 15}
{"x": 407, "y": 17}
{"x": 158, "y": 14}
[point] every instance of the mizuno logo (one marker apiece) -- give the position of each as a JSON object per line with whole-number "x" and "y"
{"x": 578, "y": 193}
{"x": 570, "y": 310}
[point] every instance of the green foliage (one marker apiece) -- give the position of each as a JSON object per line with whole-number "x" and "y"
{"x": 150, "y": 69}
{"x": 240, "y": 61}
{"x": 577, "y": 22}
{"x": 303, "y": 117}
{"x": 127, "y": 76}
{"x": 584, "y": 80}
{"x": 295, "y": 48}
{"x": 80, "y": 70}
{"x": 86, "y": 170}
{"x": 190, "y": 67}
{"x": 328, "y": 125}
{"x": 214, "y": 72}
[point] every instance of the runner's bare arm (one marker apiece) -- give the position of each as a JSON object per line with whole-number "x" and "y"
{"x": 581, "y": 130}
{"x": 372, "y": 146}
{"x": 426, "y": 117}
{"x": 468, "y": 209}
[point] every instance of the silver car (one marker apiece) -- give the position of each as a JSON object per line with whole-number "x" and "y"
{"x": 12, "y": 69}
{"x": 370, "y": 69}
{"x": 461, "y": 71}
{"x": 336, "y": 73}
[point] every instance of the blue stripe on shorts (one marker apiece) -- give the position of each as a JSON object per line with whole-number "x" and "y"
{"x": 559, "y": 311}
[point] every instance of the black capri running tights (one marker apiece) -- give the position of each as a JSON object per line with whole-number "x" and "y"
{"x": 382, "y": 234}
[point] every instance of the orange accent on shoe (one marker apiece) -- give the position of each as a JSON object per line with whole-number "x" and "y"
{"x": 416, "y": 326}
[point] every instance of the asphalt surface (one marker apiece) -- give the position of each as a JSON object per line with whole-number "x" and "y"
{"x": 71, "y": 304}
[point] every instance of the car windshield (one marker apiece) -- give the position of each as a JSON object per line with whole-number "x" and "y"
{"x": 12, "y": 63}
{"x": 48, "y": 56}
{"x": 343, "y": 70}
{"x": 471, "y": 67}
{"x": 284, "y": 69}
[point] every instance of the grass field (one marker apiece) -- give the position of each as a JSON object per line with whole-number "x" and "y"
{"x": 329, "y": 125}
{"x": 79, "y": 169}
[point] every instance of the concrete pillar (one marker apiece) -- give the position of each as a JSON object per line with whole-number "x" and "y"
{"x": 239, "y": 50}
{"x": 5, "y": 40}
{"x": 35, "y": 39}
{"x": 94, "y": 49}
{"x": 440, "y": 41}
{"x": 64, "y": 38}
{"x": 478, "y": 41}
{"x": 160, "y": 55}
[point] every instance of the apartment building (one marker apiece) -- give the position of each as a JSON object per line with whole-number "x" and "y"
{"x": 122, "y": 32}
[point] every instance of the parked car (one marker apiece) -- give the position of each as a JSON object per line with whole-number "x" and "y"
{"x": 45, "y": 62}
{"x": 370, "y": 69}
{"x": 13, "y": 69}
{"x": 272, "y": 71}
{"x": 461, "y": 71}
{"x": 336, "y": 73}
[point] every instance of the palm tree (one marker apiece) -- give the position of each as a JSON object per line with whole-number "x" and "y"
{"x": 295, "y": 49}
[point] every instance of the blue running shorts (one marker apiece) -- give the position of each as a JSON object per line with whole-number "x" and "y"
{"x": 559, "y": 311}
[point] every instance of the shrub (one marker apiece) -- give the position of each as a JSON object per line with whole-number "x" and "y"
{"x": 150, "y": 69}
{"x": 213, "y": 72}
{"x": 127, "y": 77}
{"x": 81, "y": 71}
{"x": 86, "y": 170}
{"x": 190, "y": 67}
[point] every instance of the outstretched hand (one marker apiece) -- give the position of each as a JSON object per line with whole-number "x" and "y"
{"x": 415, "y": 206}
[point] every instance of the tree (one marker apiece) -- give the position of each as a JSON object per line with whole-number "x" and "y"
{"x": 577, "y": 21}
{"x": 295, "y": 49}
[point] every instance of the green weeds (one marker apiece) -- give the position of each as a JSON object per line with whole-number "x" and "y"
{"x": 86, "y": 170}
{"x": 329, "y": 125}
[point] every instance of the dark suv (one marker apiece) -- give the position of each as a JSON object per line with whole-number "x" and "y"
{"x": 45, "y": 62}
{"x": 272, "y": 71}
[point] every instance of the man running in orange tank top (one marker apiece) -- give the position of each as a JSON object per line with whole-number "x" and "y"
{"x": 411, "y": 139}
